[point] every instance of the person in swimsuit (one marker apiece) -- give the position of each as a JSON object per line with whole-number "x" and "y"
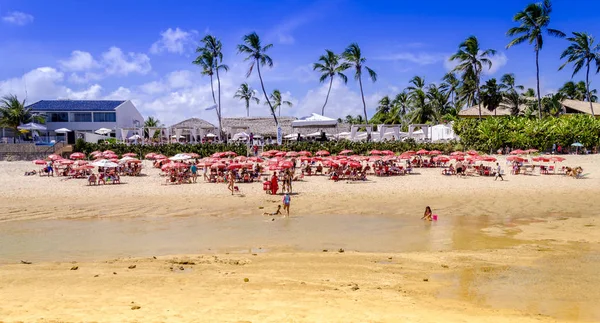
{"x": 286, "y": 203}
{"x": 274, "y": 213}
{"x": 428, "y": 214}
{"x": 231, "y": 181}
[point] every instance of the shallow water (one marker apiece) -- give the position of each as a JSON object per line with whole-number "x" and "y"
{"x": 98, "y": 239}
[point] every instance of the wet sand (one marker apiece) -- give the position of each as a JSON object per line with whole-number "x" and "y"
{"x": 523, "y": 250}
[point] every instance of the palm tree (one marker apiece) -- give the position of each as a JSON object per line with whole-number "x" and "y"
{"x": 401, "y": 106}
{"x": 513, "y": 100}
{"x": 466, "y": 93}
{"x": 13, "y": 113}
{"x": 278, "y": 101}
{"x": 258, "y": 57}
{"x": 508, "y": 83}
{"x": 151, "y": 122}
{"x": 450, "y": 86}
{"x": 438, "y": 100}
{"x": 212, "y": 48}
{"x": 582, "y": 51}
{"x": 471, "y": 62}
{"x": 422, "y": 111}
{"x": 206, "y": 61}
{"x": 353, "y": 56}
{"x": 349, "y": 119}
{"x": 329, "y": 66}
{"x": 492, "y": 96}
{"x": 246, "y": 93}
{"x": 534, "y": 21}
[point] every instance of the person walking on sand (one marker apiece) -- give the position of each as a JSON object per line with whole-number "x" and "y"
{"x": 287, "y": 200}
{"x": 230, "y": 181}
{"x": 194, "y": 170}
{"x": 498, "y": 172}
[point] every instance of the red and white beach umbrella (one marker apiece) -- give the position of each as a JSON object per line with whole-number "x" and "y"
{"x": 374, "y": 152}
{"x": 286, "y": 164}
{"x": 557, "y": 159}
{"x": 256, "y": 159}
{"x": 410, "y": 152}
{"x": 54, "y": 157}
{"x": 472, "y": 153}
{"x": 435, "y": 152}
{"x": 518, "y": 152}
{"x": 280, "y": 154}
{"x": 457, "y": 157}
{"x": 218, "y": 155}
{"x": 39, "y": 162}
{"x": 77, "y": 156}
{"x": 305, "y": 153}
{"x": 129, "y": 155}
{"x": 291, "y": 154}
{"x": 235, "y": 166}
{"x": 346, "y": 152}
{"x": 150, "y": 156}
{"x": 422, "y": 152}
{"x": 457, "y": 153}
{"x": 322, "y": 153}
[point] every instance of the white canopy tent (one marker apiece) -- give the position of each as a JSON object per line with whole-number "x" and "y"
{"x": 314, "y": 120}
{"x": 241, "y": 136}
{"x": 62, "y": 130}
{"x": 32, "y": 126}
{"x": 103, "y": 131}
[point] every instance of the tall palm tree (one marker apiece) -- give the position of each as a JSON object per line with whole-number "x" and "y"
{"x": 422, "y": 111}
{"x": 534, "y": 21}
{"x": 329, "y": 66}
{"x": 246, "y": 93}
{"x": 466, "y": 94}
{"x": 213, "y": 48}
{"x": 257, "y": 55}
{"x": 471, "y": 62}
{"x": 13, "y": 113}
{"x": 206, "y": 61}
{"x": 353, "y": 56}
{"x": 385, "y": 105}
{"x": 492, "y": 95}
{"x": 582, "y": 51}
{"x": 278, "y": 101}
{"x": 509, "y": 91}
{"x": 401, "y": 104}
{"x": 151, "y": 122}
{"x": 438, "y": 100}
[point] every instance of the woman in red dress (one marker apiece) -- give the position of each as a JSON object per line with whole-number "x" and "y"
{"x": 274, "y": 184}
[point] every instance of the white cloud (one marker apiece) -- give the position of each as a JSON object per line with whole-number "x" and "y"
{"x": 79, "y": 61}
{"x": 18, "y": 18}
{"x": 115, "y": 62}
{"x": 93, "y": 92}
{"x": 180, "y": 79}
{"x": 417, "y": 58}
{"x": 174, "y": 41}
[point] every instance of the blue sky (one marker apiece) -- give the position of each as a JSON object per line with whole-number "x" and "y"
{"x": 142, "y": 50}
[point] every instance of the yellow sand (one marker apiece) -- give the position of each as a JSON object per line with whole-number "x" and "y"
{"x": 545, "y": 272}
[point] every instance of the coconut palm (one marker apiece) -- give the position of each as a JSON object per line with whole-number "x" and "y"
{"x": 246, "y": 93}
{"x": 508, "y": 83}
{"x": 152, "y": 122}
{"x": 13, "y": 113}
{"x": 466, "y": 93}
{"x": 438, "y": 100}
{"x": 329, "y": 66}
{"x": 206, "y": 61}
{"x": 353, "y": 56}
{"x": 471, "y": 62}
{"x": 450, "y": 86}
{"x": 492, "y": 95}
{"x": 212, "y": 48}
{"x": 252, "y": 47}
{"x": 534, "y": 21}
{"x": 582, "y": 51}
{"x": 278, "y": 101}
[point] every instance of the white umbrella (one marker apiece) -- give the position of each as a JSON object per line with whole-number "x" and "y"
{"x": 135, "y": 137}
{"x": 105, "y": 163}
{"x": 62, "y": 130}
{"x": 125, "y": 159}
{"x": 31, "y": 126}
{"x": 103, "y": 131}
{"x": 180, "y": 157}
{"x": 211, "y": 135}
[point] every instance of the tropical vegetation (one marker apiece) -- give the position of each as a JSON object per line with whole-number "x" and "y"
{"x": 330, "y": 65}
{"x": 14, "y": 113}
{"x": 247, "y": 94}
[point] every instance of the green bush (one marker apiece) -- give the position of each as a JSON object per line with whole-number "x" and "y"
{"x": 203, "y": 150}
{"x": 521, "y": 132}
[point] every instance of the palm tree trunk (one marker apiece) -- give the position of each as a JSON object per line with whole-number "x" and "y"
{"x": 363, "y": 99}
{"x": 219, "y": 93}
{"x": 212, "y": 89}
{"x": 247, "y": 108}
{"x": 587, "y": 87}
{"x": 478, "y": 96}
{"x": 265, "y": 93}
{"x": 537, "y": 67}
{"x": 327, "y": 97}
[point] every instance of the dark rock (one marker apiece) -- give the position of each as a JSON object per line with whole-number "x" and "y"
{"x": 74, "y": 267}
{"x": 341, "y": 250}
{"x": 425, "y": 279}
{"x": 246, "y": 280}
{"x": 132, "y": 267}
{"x": 135, "y": 307}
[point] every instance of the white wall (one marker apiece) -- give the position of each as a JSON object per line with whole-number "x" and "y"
{"x": 127, "y": 113}
{"x": 442, "y": 132}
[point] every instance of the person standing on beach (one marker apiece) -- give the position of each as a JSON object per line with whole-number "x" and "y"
{"x": 194, "y": 170}
{"x": 274, "y": 184}
{"x": 287, "y": 200}
{"x": 498, "y": 172}
{"x": 230, "y": 181}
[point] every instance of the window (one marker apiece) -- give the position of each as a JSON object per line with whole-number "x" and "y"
{"x": 82, "y": 117}
{"x": 105, "y": 117}
{"x": 58, "y": 117}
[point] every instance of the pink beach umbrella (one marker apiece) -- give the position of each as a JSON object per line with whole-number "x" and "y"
{"x": 472, "y": 153}
{"x": 374, "y": 152}
{"x": 256, "y": 159}
{"x": 39, "y": 162}
{"x": 280, "y": 154}
{"x": 77, "y": 156}
{"x": 457, "y": 157}
{"x": 435, "y": 152}
{"x": 518, "y": 152}
{"x": 291, "y": 154}
{"x": 150, "y": 156}
{"x": 54, "y": 157}
{"x": 322, "y": 153}
{"x": 422, "y": 152}
{"x": 129, "y": 154}
{"x": 346, "y": 152}
{"x": 387, "y": 152}
{"x": 235, "y": 166}
{"x": 457, "y": 153}
{"x": 66, "y": 162}
{"x": 410, "y": 152}
{"x": 286, "y": 164}
{"x": 305, "y": 153}
{"x": 108, "y": 152}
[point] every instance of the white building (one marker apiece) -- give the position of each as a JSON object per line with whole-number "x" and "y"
{"x": 87, "y": 116}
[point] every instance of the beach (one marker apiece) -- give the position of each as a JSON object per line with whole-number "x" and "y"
{"x": 521, "y": 250}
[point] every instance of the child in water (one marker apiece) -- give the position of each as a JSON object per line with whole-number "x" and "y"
{"x": 428, "y": 214}
{"x": 286, "y": 203}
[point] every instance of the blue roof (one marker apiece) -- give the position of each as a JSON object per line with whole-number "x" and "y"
{"x": 75, "y": 105}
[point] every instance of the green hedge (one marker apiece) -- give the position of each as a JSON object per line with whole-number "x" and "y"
{"x": 521, "y": 132}
{"x": 208, "y": 149}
